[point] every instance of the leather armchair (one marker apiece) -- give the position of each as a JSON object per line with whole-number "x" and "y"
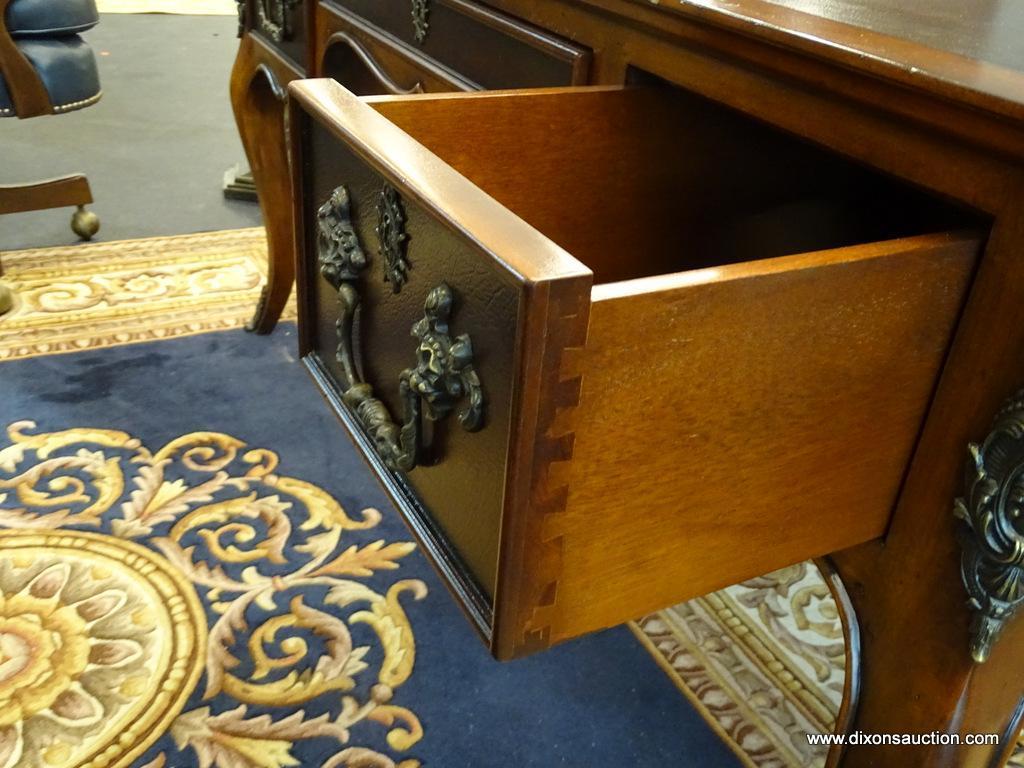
{"x": 47, "y": 68}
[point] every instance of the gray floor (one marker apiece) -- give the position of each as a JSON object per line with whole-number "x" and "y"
{"x": 155, "y": 147}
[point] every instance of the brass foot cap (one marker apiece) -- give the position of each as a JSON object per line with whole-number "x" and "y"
{"x": 6, "y": 299}
{"x": 85, "y": 223}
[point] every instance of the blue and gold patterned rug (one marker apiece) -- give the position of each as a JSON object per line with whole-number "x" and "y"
{"x": 197, "y": 570}
{"x": 148, "y": 492}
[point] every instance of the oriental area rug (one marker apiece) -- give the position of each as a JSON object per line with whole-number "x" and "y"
{"x": 196, "y": 569}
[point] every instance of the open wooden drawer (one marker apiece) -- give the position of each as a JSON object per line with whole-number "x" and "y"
{"x": 638, "y": 346}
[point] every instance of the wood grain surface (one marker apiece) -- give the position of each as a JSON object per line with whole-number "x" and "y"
{"x": 741, "y": 418}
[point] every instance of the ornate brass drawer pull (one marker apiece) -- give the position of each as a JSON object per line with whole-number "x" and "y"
{"x": 371, "y": 64}
{"x": 992, "y": 565}
{"x": 391, "y": 233}
{"x": 443, "y": 375}
{"x": 420, "y": 19}
{"x": 272, "y": 18}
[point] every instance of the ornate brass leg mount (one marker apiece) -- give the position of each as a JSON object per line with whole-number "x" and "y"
{"x": 6, "y": 299}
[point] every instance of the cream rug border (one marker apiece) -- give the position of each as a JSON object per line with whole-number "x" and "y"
{"x": 96, "y": 295}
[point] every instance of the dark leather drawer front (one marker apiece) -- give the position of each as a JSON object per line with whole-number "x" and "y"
{"x": 282, "y": 23}
{"x": 489, "y": 48}
{"x": 460, "y": 473}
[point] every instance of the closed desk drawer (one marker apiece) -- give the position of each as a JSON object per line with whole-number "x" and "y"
{"x": 368, "y": 61}
{"x": 609, "y": 349}
{"x": 481, "y": 45}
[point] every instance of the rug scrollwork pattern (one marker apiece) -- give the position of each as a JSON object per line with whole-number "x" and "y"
{"x": 208, "y": 609}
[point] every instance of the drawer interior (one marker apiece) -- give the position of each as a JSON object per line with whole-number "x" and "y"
{"x": 651, "y": 180}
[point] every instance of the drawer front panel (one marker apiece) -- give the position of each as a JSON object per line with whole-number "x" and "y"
{"x": 282, "y": 23}
{"x": 460, "y": 476}
{"x": 483, "y": 46}
{"x": 370, "y": 62}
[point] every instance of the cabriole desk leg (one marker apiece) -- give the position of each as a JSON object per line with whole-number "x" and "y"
{"x": 258, "y": 100}
{"x": 941, "y": 651}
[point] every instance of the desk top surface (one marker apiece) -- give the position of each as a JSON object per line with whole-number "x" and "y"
{"x": 967, "y": 50}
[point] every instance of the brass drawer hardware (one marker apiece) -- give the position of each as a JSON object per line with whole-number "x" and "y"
{"x": 420, "y": 19}
{"x": 443, "y": 375}
{"x": 992, "y": 565}
{"x": 372, "y": 65}
{"x": 391, "y": 232}
{"x": 272, "y": 18}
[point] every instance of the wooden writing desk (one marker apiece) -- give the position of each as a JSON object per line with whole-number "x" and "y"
{"x": 708, "y": 289}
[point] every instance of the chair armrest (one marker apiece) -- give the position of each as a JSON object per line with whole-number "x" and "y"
{"x": 24, "y": 85}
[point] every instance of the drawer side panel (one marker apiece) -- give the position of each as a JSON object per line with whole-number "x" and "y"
{"x": 753, "y": 419}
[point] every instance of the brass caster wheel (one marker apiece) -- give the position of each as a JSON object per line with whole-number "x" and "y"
{"x": 6, "y": 299}
{"x": 85, "y": 223}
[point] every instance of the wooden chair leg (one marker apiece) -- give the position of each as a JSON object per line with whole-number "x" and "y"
{"x": 24, "y": 85}
{"x": 52, "y": 193}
